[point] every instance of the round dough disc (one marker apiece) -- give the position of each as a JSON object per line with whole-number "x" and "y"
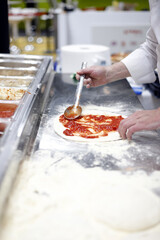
{"x": 125, "y": 207}
{"x": 112, "y": 136}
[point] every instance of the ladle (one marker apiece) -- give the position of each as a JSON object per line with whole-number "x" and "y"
{"x": 74, "y": 111}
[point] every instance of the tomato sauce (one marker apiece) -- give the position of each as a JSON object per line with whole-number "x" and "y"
{"x": 7, "y": 110}
{"x": 90, "y": 126}
{"x": 2, "y": 126}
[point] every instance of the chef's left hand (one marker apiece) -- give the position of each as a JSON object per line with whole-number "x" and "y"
{"x": 138, "y": 121}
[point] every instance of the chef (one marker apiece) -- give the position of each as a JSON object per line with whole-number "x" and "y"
{"x": 140, "y": 65}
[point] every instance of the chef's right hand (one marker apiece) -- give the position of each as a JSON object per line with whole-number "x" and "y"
{"x": 100, "y": 75}
{"x": 94, "y": 76}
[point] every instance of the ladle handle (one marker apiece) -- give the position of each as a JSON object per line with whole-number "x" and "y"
{"x": 80, "y": 85}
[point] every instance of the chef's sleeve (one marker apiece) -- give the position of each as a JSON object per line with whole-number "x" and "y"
{"x": 142, "y": 62}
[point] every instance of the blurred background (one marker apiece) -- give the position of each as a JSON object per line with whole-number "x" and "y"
{"x": 43, "y": 27}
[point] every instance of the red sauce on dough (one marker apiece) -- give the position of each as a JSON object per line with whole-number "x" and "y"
{"x": 90, "y": 126}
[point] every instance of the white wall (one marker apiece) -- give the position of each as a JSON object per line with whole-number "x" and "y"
{"x": 119, "y": 30}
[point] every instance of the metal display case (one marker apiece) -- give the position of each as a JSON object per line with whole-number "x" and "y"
{"x": 24, "y": 86}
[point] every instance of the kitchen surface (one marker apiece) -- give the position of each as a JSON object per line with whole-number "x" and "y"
{"x": 62, "y": 187}
{"x": 85, "y": 184}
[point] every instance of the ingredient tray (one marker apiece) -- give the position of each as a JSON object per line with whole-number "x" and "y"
{"x": 16, "y": 109}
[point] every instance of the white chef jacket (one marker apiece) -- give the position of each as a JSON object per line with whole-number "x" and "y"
{"x": 142, "y": 62}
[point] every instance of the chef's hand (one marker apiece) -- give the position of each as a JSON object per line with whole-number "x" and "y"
{"x": 138, "y": 121}
{"x": 94, "y": 76}
{"x": 99, "y": 75}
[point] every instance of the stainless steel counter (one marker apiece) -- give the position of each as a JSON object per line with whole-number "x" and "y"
{"x": 51, "y": 161}
{"x": 142, "y": 153}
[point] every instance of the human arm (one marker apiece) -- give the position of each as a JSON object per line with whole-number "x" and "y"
{"x": 100, "y": 75}
{"x": 142, "y": 62}
{"x": 140, "y": 65}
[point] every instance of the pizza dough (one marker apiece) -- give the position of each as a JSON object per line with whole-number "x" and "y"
{"x": 112, "y": 136}
{"x": 125, "y": 207}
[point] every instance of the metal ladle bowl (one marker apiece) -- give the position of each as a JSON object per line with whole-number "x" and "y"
{"x": 72, "y": 112}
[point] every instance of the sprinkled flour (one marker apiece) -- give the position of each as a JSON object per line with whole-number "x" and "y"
{"x": 52, "y": 192}
{"x": 54, "y": 189}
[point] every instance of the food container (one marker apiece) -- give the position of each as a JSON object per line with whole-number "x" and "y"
{"x": 19, "y": 64}
{"x": 24, "y": 87}
{"x": 20, "y": 78}
{"x": 12, "y": 93}
{"x": 7, "y": 109}
{"x": 17, "y": 81}
{"x": 3, "y": 124}
{"x": 17, "y": 72}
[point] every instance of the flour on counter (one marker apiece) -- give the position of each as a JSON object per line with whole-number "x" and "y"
{"x": 61, "y": 193}
{"x": 53, "y": 198}
{"x": 121, "y": 154}
{"x": 125, "y": 207}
